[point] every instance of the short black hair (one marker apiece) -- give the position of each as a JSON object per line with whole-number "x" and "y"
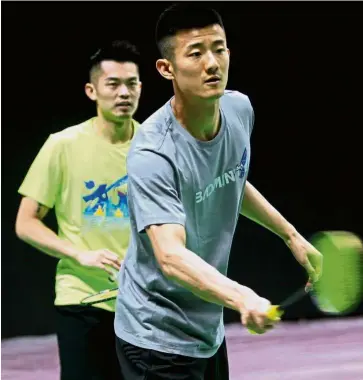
{"x": 116, "y": 50}
{"x": 182, "y": 16}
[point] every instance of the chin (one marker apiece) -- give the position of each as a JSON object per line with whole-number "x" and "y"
{"x": 119, "y": 118}
{"x": 214, "y": 95}
{"x": 123, "y": 116}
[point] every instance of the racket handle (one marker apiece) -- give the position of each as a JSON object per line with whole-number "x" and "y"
{"x": 274, "y": 313}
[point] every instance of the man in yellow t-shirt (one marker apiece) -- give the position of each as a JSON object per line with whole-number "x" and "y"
{"x": 81, "y": 172}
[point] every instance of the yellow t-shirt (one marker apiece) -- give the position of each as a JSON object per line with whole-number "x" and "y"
{"x": 84, "y": 177}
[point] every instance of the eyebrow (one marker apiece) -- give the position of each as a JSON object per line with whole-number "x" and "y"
{"x": 110, "y": 79}
{"x": 200, "y": 44}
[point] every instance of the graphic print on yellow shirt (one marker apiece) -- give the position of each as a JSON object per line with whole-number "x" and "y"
{"x": 106, "y": 204}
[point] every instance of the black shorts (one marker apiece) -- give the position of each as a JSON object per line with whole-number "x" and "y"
{"x": 86, "y": 342}
{"x": 141, "y": 364}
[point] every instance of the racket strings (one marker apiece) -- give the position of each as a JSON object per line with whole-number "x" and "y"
{"x": 340, "y": 288}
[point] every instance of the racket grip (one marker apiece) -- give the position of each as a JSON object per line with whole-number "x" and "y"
{"x": 273, "y": 313}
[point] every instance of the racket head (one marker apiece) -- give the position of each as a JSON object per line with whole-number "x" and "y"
{"x": 339, "y": 290}
{"x": 103, "y": 296}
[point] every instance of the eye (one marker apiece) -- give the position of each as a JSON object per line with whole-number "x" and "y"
{"x": 112, "y": 85}
{"x": 221, "y": 50}
{"x": 195, "y": 54}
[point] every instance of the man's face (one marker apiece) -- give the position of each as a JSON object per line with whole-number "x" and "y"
{"x": 201, "y": 61}
{"x": 117, "y": 89}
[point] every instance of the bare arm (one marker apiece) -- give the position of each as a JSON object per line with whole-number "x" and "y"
{"x": 186, "y": 268}
{"x": 258, "y": 209}
{"x": 30, "y": 228}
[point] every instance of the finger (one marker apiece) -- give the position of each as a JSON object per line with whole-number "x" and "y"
{"x": 245, "y": 318}
{"x": 111, "y": 263}
{"x": 318, "y": 273}
{"x": 114, "y": 259}
{"x": 112, "y": 255}
{"x": 258, "y": 320}
{"x": 317, "y": 266}
{"x": 107, "y": 253}
{"x": 311, "y": 272}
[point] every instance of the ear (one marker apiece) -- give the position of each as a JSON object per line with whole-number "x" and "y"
{"x": 165, "y": 68}
{"x": 90, "y": 91}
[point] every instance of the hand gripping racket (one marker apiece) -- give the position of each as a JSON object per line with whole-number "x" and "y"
{"x": 103, "y": 295}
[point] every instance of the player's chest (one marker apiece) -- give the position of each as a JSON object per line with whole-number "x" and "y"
{"x": 214, "y": 174}
{"x": 93, "y": 168}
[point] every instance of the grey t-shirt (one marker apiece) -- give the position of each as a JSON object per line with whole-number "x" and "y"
{"x": 174, "y": 178}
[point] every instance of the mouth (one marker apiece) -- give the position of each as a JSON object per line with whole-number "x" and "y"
{"x": 213, "y": 80}
{"x": 123, "y": 105}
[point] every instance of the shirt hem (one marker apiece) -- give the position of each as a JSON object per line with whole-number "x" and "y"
{"x": 197, "y": 352}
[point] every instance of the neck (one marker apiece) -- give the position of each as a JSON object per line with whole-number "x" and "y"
{"x": 200, "y": 119}
{"x": 114, "y": 132}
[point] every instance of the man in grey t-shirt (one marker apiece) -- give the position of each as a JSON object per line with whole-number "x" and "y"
{"x": 188, "y": 168}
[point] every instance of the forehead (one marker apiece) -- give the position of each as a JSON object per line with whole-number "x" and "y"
{"x": 118, "y": 69}
{"x": 206, "y": 35}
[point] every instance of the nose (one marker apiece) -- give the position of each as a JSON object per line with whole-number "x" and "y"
{"x": 124, "y": 92}
{"x": 211, "y": 64}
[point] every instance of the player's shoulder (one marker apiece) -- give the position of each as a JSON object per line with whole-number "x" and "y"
{"x": 152, "y": 147}
{"x": 237, "y": 100}
{"x": 72, "y": 133}
{"x": 238, "y": 109}
{"x": 152, "y": 132}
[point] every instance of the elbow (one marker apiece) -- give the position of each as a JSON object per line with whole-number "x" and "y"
{"x": 20, "y": 230}
{"x": 164, "y": 263}
{"x": 167, "y": 261}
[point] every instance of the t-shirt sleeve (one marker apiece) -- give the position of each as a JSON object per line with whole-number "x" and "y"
{"x": 242, "y": 107}
{"x": 152, "y": 190}
{"x": 246, "y": 112}
{"x": 251, "y": 118}
{"x": 43, "y": 180}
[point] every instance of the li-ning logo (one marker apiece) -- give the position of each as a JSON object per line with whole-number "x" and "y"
{"x": 224, "y": 179}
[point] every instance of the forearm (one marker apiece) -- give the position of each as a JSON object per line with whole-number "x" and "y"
{"x": 38, "y": 235}
{"x": 258, "y": 209}
{"x": 193, "y": 273}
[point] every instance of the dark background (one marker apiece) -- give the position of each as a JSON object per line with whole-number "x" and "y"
{"x": 298, "y": 62}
